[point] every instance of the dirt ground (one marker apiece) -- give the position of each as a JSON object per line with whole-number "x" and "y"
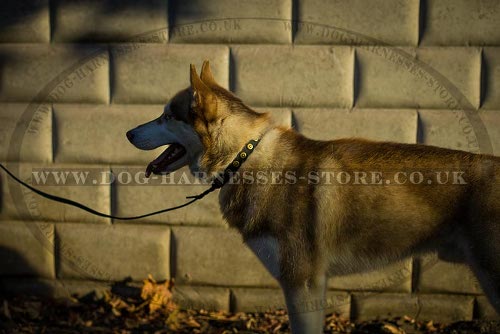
{"x": 34, "y": 315}
{"x": 153, "y": 310}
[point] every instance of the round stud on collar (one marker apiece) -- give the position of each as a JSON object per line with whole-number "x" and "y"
{"x": 250, "y": 146}
{"x": 243, "y": 155}
{"x": 236, "y": 163}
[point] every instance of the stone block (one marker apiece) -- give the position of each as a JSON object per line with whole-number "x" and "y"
{"x": 393, "y": 278}
{"x": 461, "y": 22}
{"x": 291, "y": 77}
{"x": 257, "y": 300}
{"x": 110, "y": 21}
{"x": 25, "y": 21}
{"x": 61, "y": 180}
{"x": 439, "y": 308}
{"x": 27, "y": 249}
{"x": 226, "y": 21}
{"x": 211, "y": 255}
{"x": 25, "y": 132}
{"x": 54, "y": 73}
{"x": 96, "y": 133}
{"x": 113, "y": 252}
{"x": 473, "y": 131}
{"x": 149, "y": 73}
{"x": 265, "y": 300}
{"x": 435, "y": 276}
{"x": 202, "y": 297}
{"x": 433, "y": 78}
{"x": 375, "y": 124}
{"x": 357, "y": 22}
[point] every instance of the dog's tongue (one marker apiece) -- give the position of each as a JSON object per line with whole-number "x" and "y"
{"x": 172, "y": 153}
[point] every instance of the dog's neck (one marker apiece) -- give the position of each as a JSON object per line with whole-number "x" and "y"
{"x": 221, "y": 154}
{"x": 267, "y": 149}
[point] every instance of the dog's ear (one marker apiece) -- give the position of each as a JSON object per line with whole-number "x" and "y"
{"x": 199, "y": 88}
{"x": 203, "y": 97}
{"x": 206, "y": 74}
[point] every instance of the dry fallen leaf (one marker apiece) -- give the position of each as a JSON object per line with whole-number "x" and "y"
{"x": 158, "y": 295}
{"x": 6, "y": 311}
{"x": 408, "y": 319}
{"x": 430, "y": 326}
{"x": 390, "y": 328}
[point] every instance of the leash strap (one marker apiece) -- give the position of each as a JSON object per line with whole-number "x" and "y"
{"x": 233, "y": 167}
{"x": 86, "y": 208}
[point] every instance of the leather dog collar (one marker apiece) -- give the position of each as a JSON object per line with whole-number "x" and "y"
{"x": 240, "y": 158}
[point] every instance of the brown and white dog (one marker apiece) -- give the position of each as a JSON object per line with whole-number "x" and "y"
{"x": 304, "y": 232}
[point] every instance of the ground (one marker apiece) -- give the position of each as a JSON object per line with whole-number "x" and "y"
{"x": 154, "y": 311}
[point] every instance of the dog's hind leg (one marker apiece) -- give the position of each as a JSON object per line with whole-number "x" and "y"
{"x": 489, "y": 278}
{"x": 483, "y": 255}
{"x": 485, "y": 263}
{"x": 305, "y": 304}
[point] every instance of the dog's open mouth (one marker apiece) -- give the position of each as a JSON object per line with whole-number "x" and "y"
{"x": 173, "y": 153}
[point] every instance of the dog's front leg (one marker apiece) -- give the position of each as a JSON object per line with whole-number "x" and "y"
{"x": 266, "y": 248}
{"x": 305, "y": 304}
{"x": 305, "y": 300}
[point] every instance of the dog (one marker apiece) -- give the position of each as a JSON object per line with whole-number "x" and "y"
{"x": 304, "y": 232}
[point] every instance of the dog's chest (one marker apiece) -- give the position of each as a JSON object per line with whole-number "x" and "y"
{"x": 243, "y": 208}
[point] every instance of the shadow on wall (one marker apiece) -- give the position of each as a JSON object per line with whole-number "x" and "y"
{"x": 18, "y": 278}
{"x": 13, "y": 12}
{"x": 130, "y": 12}
{"x": 5, "y": 61}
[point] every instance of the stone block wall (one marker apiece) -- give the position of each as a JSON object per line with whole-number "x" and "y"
{"x": 75, "y": 75}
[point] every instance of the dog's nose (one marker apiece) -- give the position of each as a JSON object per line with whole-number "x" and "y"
{"x": 130, "y": 135}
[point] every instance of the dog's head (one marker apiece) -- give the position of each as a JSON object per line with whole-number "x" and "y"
{"x": 204, "y": 125}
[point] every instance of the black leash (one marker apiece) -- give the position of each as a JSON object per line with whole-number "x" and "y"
{"x": 86, "y": 208}
{"x": 218, "y": 183}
